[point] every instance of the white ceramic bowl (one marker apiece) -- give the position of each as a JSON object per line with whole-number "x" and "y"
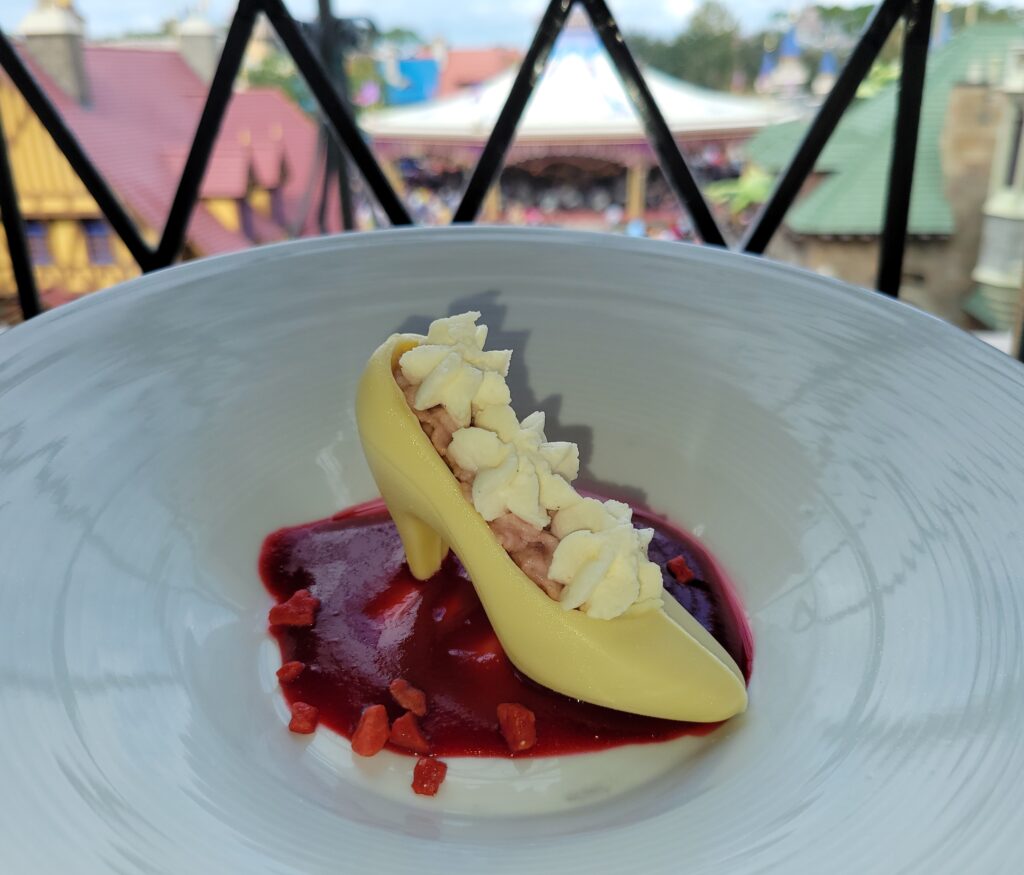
{"x": 858, "y": 467}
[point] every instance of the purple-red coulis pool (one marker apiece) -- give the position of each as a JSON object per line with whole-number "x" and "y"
{"x": 377, "y": 623}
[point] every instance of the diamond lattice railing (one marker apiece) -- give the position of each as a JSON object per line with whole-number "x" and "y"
{"x": 916, "y": 13}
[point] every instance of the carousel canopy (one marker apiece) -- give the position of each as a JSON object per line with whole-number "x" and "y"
{"x": 580, "y": 96}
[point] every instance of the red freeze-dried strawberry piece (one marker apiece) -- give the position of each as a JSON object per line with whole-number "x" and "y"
{"x": 405, "y": 732}
{"x": 304, "y": 718}
{"x": 299, "y": 610}
{"x": 428, "y": 776}
{"x": 408, "y": 696}
{"x": 680, "y": 569}
{"x": 290, "y": 671}
{"x": 518, "y": 725}
{"x": 371, "y": 732}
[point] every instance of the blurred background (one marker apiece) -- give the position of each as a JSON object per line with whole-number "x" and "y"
{"x": 737, "y": 81}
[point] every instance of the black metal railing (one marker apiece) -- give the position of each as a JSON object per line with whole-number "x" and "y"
{"x": 917, "y": 15}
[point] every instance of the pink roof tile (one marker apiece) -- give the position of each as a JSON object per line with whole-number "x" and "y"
{"x": 465, "y": 67}
{"x": 139, "y": 124}
{"x": 228, "y": 174}
{"x": 268, "y": 163}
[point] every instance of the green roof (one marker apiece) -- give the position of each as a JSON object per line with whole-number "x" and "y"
{"x": 849, "y": 200}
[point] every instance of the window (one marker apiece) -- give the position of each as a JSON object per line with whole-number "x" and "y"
{"x": 37, "y": 234}
{"x": 97, "y": 241}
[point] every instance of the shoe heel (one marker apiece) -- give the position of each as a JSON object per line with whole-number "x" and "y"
{"x": 392, "y": 443}
{"x": 649, "y": 664}
{"x": 424, "y": 548}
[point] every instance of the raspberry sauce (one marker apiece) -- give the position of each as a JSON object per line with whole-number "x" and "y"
{"x": 377, "y": 623}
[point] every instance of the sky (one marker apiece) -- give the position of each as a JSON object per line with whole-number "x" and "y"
{"x": 460, "y": 22}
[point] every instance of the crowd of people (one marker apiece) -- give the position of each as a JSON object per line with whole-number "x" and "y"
{"x": 564, "y": 194}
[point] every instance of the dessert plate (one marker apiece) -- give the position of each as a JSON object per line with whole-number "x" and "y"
{"x": 856, "y": 466}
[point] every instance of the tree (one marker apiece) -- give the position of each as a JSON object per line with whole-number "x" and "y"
{"x": 984, "y": 12}
{"x": 849, "y": 21}
{"x": 401, "y": 36}
{"x": 277, "y": 70}
{"x": 711, "y": 48}
{"x": 706, "y": 50}
{"x": 704, "y": 53}
{"x": 750, "y": 189}
{"x": 712, "y": 19}
{"x": 748, "y": 58}
{"x": 657, "y": 53}
{"x": 881, "y": 75}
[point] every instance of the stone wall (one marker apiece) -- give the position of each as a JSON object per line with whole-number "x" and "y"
{"x": 854, "y": 260}
{"x": 937, "y": 271}
{"x": 967, "y": 146}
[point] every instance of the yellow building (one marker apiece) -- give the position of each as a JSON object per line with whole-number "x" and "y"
{"x": 72, "y": 248}
{"x": 134, "y": 108}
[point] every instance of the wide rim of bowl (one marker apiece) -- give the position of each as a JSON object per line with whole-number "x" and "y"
{"x": 154, "y": 283}
{"x": 803, "y": 306}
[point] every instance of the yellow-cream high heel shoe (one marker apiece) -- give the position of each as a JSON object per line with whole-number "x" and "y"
{"x": 662, "y": 663}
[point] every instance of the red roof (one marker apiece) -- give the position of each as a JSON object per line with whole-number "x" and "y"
{"x": 269, "y": 163}
{"x": 465, "y": 67}
{"x": 138, "y": 126}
